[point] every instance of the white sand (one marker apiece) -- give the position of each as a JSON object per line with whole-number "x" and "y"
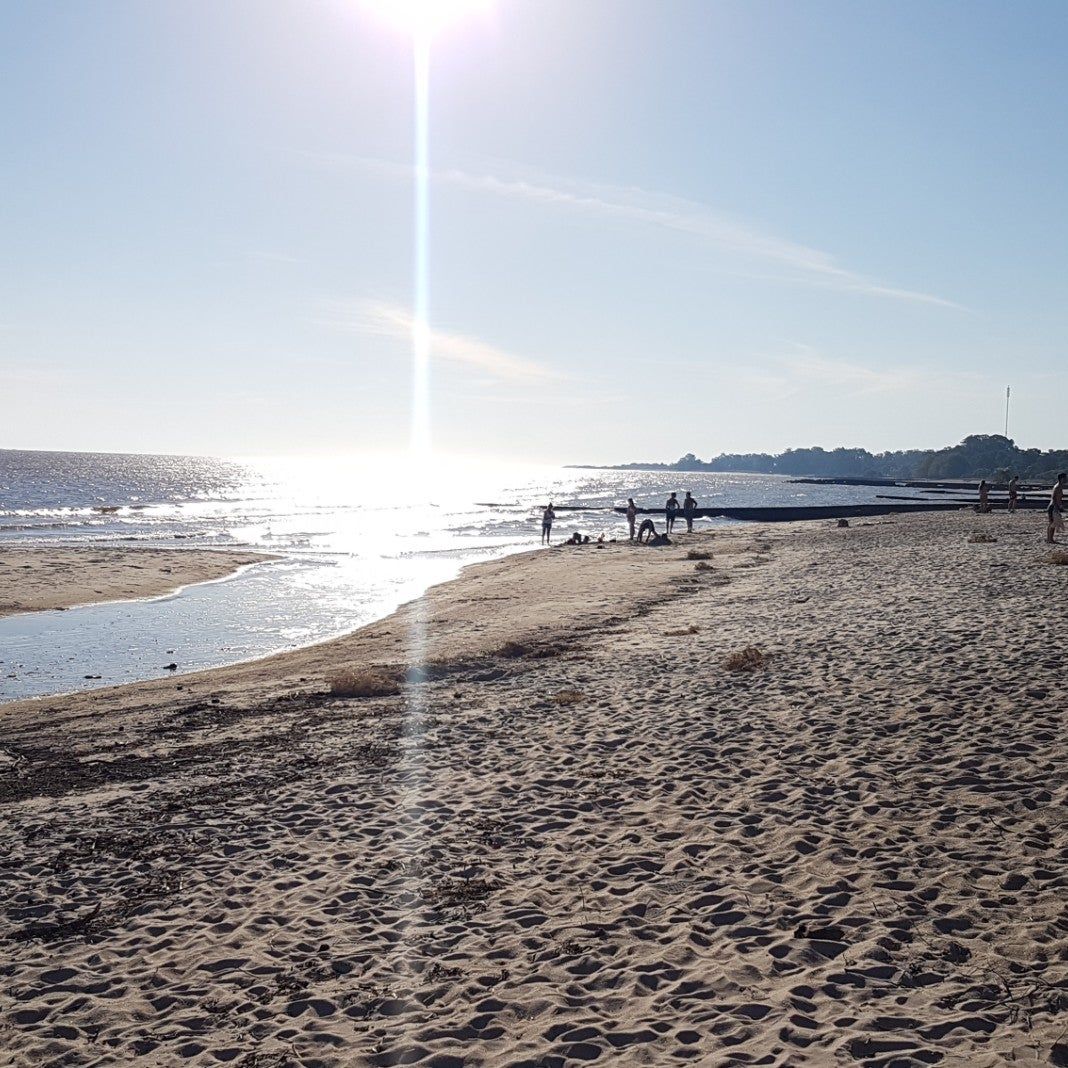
{"x": 37, "y": 579}
{"x": 619, "y": 851}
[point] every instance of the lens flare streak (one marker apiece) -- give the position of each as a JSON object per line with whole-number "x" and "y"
{"x": 420, "y": 432}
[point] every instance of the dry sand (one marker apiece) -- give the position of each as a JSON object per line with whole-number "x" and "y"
{"x": 598, "y": 844}
{"x": 36, "y": 579}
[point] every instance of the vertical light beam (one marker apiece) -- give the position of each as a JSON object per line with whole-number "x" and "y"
{"x": 411, "y": 772}
{"x": 420, "y": 434}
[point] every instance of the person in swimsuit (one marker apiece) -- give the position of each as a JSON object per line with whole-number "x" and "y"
{"x": 647, "y": 531}
{"x": 1055, "y": 511}
{"x": 689, "y": 510}
{"x": 671, "y": 510}
{"x": 632, "y": 515}
{"x": 1014, "y": 492}
{"x": 547, "y": 518}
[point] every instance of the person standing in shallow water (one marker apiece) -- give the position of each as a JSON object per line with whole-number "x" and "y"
{"x": 671, "y": 510}
{"x": 547, "y": 518}
{"x": 689, "y": 510}
{"x": 632, "y": 515}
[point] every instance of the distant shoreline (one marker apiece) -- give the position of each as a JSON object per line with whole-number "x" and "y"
{"x": 990, "y": 456}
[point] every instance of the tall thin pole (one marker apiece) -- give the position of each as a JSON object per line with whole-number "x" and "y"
{"x": 1008, "y": 392}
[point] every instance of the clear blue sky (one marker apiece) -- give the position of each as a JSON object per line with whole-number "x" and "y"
{"x": 658, "y": 226}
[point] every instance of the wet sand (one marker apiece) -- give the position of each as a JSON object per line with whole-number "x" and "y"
{"x": 576, "y": 835}
{"x": 42, "y": 578}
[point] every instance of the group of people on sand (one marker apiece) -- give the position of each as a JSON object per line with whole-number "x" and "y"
{"x": 646, "y": 534}
{"x": 1054, "y": 510}
{"x": 672, "y": 510}
{"x": 1014, "y": 494}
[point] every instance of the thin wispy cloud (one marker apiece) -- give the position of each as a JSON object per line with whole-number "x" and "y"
{"x": 805, "y": 368}
{"x": 634, "y": 205}
{"x": 383, "y": 319}
{"x": 274, "y": 257}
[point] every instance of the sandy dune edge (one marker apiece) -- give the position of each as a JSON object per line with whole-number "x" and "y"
{"x": 34, "y": 579}
{"x": 608, "y": 848}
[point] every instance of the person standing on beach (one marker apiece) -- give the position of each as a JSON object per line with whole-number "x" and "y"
{"x": 671, "y": 510}
{"x": 547, "y": 518}
{"x": 1014, "y": 492}
{"x": 689, "y": 510}
{"x": 632, "y": 515}
{"x": 984, "y": 496}
{"x": 1055, "y": 511}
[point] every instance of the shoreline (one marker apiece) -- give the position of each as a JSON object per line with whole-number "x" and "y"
{"x": 579, "y": 833}
{"x": 380, "y": 643}
{"x": 44, "y": 578}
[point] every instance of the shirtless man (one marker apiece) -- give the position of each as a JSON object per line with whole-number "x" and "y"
{"x": 647, "y": 531}
{"x": 632, "y": 515}
{"x": 671, "y": 510}
{"x": 1014, "y": 492}
{"x": 1055, "y": 511}
{"x": 689, "y": 510}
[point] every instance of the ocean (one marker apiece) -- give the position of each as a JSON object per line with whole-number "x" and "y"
{"x": 355, "y": 538}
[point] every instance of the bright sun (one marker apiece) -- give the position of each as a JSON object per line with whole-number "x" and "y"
{"x": 424, "y": 17}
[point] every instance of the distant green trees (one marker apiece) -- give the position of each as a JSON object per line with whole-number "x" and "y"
{"x": 990, "y": 456}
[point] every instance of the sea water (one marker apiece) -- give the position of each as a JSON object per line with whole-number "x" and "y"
{"x": 353, "y": 537}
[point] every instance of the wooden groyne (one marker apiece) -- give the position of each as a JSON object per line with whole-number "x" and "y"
{"x": 794, "y": 513}
{"x": 885, "y": 505}
{"x": 950, "y": 485}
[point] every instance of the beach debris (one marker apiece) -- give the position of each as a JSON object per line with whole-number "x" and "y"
{"x": 567, "y": 697}
{"x": 55, "y": 931}
{"x": 534, "y": 651}
{"x": 703, "y": 565}
{"x": 842, "y": 523}
{"x": 1058, "y": 556}
{"x": 981, "y": 538}
{"x": 699, "y": 554}
{"x": 460, "y": 893}
{"x": 680, "y": 632}
{"x": 748, "y": 659}
{"x": 365, "y": 682}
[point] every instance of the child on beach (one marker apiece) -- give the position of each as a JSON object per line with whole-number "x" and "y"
{"x": 547, "y": 518}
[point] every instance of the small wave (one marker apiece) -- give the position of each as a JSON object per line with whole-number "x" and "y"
{"x": 39, "y": 526}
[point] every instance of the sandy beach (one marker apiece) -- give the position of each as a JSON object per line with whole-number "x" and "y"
{"x": 578, "y": 822}
{"x": 39, "y": 579}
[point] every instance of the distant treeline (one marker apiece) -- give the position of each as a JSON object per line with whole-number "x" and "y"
{"x": 990, "y": 456}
